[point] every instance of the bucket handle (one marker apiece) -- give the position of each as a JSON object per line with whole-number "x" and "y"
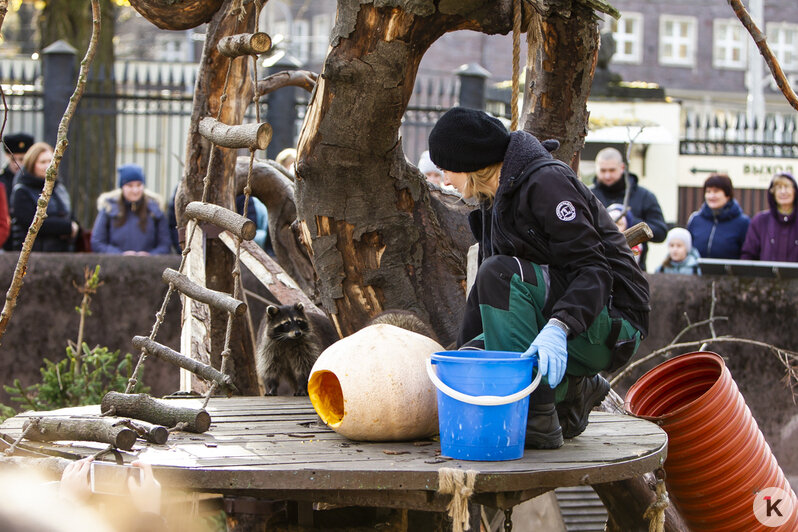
{"x": 481, "y": 400}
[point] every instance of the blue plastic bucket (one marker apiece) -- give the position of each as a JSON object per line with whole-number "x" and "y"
{"x": 483, "y": 401}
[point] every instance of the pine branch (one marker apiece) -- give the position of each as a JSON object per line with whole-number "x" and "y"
{"x": 764, "y": 49}
{"x": 52, "y": 172}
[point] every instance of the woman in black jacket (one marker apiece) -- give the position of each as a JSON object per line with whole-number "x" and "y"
{"x": 58, "y": 230}
{"x": 556, "y": 277}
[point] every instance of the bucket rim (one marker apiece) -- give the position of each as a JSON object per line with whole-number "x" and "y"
{"x": 515, "y": 358}
{"x": 653, "y": 373}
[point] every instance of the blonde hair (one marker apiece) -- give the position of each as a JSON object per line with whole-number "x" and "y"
{"x": 480, "y": 183}
{"x": 29, "y": 161}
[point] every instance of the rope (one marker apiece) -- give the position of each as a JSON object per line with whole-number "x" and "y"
{"x": 239, "y": 10}
{"x": 655, "y": 513}
{"x": 460, "y": 485}
{"x": 516, "y": 64}
{"x": 34, "y": 422}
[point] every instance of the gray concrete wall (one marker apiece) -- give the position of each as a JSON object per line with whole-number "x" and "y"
{"x": 758, "y": 309}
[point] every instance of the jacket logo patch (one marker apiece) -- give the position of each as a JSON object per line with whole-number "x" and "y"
{"x": 565, "y": 211}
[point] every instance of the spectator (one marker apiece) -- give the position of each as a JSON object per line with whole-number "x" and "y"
{"x": 58, "y": 230}
{"x": 609, "y": 187}
{"x": 622, "y": 223}
{"x": 682, "y": 256}
{"x": 773, "y": 234}
{"x": 130, "y": 220}
{"x": 428, "y": 168}
{"x": 14, "y": 147}
{"x": 5, "y": 219}
{"x": 286, "y": 159}
{"x": 718, "y": 228}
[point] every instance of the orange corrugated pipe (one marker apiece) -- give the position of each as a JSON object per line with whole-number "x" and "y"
{"x": 718, "y": 460}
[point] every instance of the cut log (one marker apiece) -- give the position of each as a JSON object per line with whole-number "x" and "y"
{"x": 218, "y": 300}
{"x": 255, "y": 136}
{"x": 223, "y": 218}
{"x": 177, "y": 14}
{"x": 142, "y": 406}
{"x": 244, "y": 44}
{"x": 638, "y": 233}
{"x": 204, "y": 371}
{"x": 104, "y": 430}
{"x": 150, "y": 432}
{"x": 51, "y": 467}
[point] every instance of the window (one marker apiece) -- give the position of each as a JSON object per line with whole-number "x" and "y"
{"x": 320, "y": 37}
{"x": 677, "y": 38}
{"x": 628, "y": 35}
{"x": 300, "y": 40}
{"x": 171, "y": 49}
{"x": 783, "y": 41}
{"x": 730, "y": 44}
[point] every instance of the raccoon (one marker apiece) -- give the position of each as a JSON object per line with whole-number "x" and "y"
{"x": 287, "y": 348}
{"x": 406, "y": 320}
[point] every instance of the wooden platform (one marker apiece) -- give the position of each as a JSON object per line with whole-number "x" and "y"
{"x": 276, "y": 447}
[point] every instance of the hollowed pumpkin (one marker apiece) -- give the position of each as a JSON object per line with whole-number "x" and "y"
{"x": 372, "y": 385}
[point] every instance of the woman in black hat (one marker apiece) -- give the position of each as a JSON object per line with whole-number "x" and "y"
{"x": 58, "y": 230}
{"x": 556, "y": 277}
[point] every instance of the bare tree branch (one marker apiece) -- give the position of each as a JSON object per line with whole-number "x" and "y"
{"x": 788, "y": 358}
{"x": 52, "y": 172}
{"x": 297, "y": 78}
{"x": 764, "y": 49}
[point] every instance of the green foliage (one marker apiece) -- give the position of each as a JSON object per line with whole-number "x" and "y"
{"x": 79, "y": 378}
{"x": 75, "y": 382}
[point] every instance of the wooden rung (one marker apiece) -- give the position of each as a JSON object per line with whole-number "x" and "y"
{"x": 254, "y": 136}
{"x": 141, "y": 406}
{"x": 216, "y": 299}
{"x": 244, "y": 44}
{"x": 204, "y": 371}
{"x": 637, "y": 234}
{"x": 226, "y": 219}
{"x": 104, "y": 430}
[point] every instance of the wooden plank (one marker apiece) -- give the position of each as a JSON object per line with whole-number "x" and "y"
{"x": 276, "y": 444}
{"x": 195, "y": 342}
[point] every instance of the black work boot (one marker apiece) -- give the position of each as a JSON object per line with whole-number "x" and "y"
{"x": 583, "y": 394}
{"x": 542, "y": 426}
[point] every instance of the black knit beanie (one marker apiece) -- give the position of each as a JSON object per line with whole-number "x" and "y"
{"x": 466, "y": 140}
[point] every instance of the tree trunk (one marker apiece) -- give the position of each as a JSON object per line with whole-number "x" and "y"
{"x": 379, "y": 240}
{"x": 219, "y": 261}
{"x": 562, "y": 58}
{"x": 89, "y": 166}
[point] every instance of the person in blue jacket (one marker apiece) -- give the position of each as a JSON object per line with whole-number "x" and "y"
{"x": 718, "y": 228}
{"x": 130, "y": 219}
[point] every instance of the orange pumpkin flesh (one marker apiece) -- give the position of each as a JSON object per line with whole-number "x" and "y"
{"x": 327, "y": 398}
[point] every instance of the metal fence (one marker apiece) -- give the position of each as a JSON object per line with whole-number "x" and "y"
{"x": 731, "y": 134}
{"x": 153, "y": 104}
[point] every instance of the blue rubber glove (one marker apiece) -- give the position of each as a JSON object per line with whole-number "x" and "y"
{"x": 551, "y": 347}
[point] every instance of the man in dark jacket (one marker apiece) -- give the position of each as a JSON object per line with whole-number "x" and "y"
{"x": 610, "y": 187}
{"x": 14, "y": 146}
{"x": 557, "y": 280}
